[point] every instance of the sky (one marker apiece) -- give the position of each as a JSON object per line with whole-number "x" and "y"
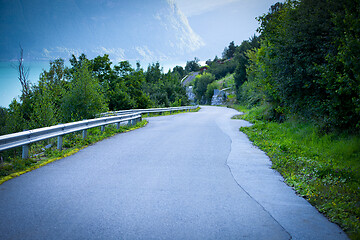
{"x": 170, "y": 32}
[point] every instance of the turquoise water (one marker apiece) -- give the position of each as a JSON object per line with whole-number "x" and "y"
{"x": 10, "y": 86}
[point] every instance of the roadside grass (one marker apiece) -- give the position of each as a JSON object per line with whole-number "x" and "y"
{"x": 168, "y": 113}
{"x": 322, "y": 168}
{"x": 45, "y": 152}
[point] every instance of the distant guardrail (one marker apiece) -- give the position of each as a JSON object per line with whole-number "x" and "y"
{"x": 149, "y": 110}
{"x": 31, "y": 136}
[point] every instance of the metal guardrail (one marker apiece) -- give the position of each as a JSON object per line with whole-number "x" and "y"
{"x": 31, "y": 136}
{"x": 149, "y": 110}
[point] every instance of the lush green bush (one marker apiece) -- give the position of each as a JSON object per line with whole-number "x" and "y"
{"x": 201, "y": 83}
{"x": 222, "y": 68}
{"x": 210, "y": 91}
{"x": 90, "y": 87}
{"x": 306, "y": 64}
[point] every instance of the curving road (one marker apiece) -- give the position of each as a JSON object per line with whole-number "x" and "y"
{"x": 186, "y": 176}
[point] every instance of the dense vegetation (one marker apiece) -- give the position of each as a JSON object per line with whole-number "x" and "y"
{"x": 301, "y": 80}
{"x": 306, "y": 65}
{"x": 82, "y": 91}
{"x": 234, "y": 61}
{"x": 87, "y": 88}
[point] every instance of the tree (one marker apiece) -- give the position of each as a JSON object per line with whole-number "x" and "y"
{"x": 210, "y": 91}
{"x": 307, "y": 62}
{"x": 15, "y": 121}
{"x": 220, "y": 70}
{"x": 200, "y": 86}
{"x": 44, "y": 112}
{"x": 85, "y": 98}
{"x": 23, "y": 72}
{"x": 229, "y": 51}
{"x": 340, "y": 74}
{"x": 3, "y": 118}
{"x": 192, "y": 66}
{"x": 23, "y": 108}
{"x": 153, "y": 73}
{"x": 180, "y": 71}
{"x": 241, "y": 57}
{"x": 164, "y": 90}
{"x": 134, "y": 83}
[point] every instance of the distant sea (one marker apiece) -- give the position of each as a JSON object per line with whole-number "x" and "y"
{"x": 10, "y": 86}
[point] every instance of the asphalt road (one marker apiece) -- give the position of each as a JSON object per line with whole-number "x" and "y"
{"x": 185, "y": 176}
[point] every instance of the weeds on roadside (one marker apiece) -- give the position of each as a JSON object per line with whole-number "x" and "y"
{"x": 323, "y": 168}
{"x": 168, "y": 113}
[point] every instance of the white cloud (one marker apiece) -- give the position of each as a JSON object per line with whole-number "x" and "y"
{"x": 60, "y": 52}
{"x": 116, "y": 54}
{"x": 187, "y": 39}
{"x": 145, "y": 53}
{"x": 198, "y": 7}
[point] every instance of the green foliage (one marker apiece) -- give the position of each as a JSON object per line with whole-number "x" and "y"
{"x": 165, "y": 90}
{"x": 340, "y": 74}
{"x": 15, "y": 121}
{"x": 200, "y": 86}
{"x": 242, "y": 59}
{"x": 306, "y": 65}
{"x": 89, "y": 87}
{"x": 192, "y": 66}
{"x": 210, "y": 91}
{"x": 180, "y": 71}
{"x": 85, "y": 98}
{"x": 44, "y": 110}
{"x": 323, "y": 168}
{"x": 229, "y": 51}
{"x": 3, "y": 117}
{"x": 125, "y": 88}
{"x": 221, "y": 68}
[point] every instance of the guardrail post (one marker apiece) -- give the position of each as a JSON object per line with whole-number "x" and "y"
{"x": 84, "y": 133}
{"x": 25, "y": 151}
{"x": 102, "y": 128}
{"x": 59, "y": 142}
{"x": 118, "y": 125}
{"x": 129, "y": 122}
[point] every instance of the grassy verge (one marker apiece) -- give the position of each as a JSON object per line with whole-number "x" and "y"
{"x": 168, "y": 113}
{"x": 323, "y": 168}
{"x": 45, "y": 152}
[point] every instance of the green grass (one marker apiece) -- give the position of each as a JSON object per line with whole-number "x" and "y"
{"x": 323, "y": 168}
{"x": 13, "y": 165}
{"x": 168, "y": 113}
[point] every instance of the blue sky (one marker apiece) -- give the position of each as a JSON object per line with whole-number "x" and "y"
{"x": 168, "y": 31}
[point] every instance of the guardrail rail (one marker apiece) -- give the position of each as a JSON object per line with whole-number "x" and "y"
{"x": 31, "y": 136}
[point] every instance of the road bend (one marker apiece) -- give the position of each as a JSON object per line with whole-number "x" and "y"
{"x": 185, "y": 176}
